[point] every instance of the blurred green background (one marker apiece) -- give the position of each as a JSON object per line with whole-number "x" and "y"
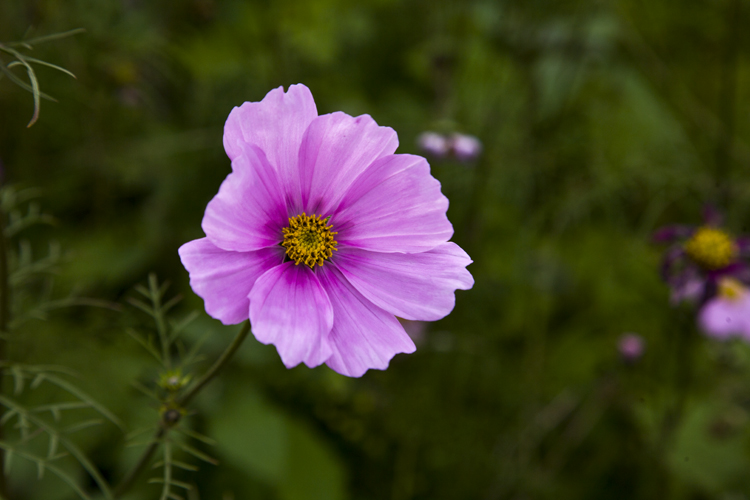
{"x": 601, "y": 121}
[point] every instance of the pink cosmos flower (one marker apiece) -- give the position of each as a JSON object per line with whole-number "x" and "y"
{"x": 728, "y": 313}
{"x": 321, "y": 236}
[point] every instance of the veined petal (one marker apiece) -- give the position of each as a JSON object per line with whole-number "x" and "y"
{"x": 394, "y": 206}
{"x": 335, "y": 150}
{"x": 290, "y": 309}
{"x": 417, "y": 286}
{"x": 223, "y": 279}
{"x": 363, "y": 336}
{"x": 275, "y": 125}
{"x": 249, "y": 212}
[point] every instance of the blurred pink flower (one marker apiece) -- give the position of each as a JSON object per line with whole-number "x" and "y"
{"x": 728, "y": 313}
{"x": 700, "y": 256}
{"x": 433, "y": 144}
{"x": 631, "y": 347}
{"x": 465, "y": 147}
{"x": 368, "y": 226}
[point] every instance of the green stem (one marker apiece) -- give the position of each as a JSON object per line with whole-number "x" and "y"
{"x": 217, "y": 366}
{"x": 4, "y": 319}
{"x": 159, "y": 317}
{"x": 183, "y": 400}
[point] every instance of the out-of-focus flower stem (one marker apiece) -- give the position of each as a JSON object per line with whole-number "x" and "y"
{"x": 182, "y": 400}
{"x": 685, "y": 343}
{"x": 4, "y": 320}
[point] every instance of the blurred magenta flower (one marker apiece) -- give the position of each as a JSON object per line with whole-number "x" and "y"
{"x": 700, "y": 256}
{"x": 465, "y": 147}
{"x": 433, "y": 144}
{"x": 728, "y": 313}
{"x": 321, "y": 235}
{"x": 631, "y": 347}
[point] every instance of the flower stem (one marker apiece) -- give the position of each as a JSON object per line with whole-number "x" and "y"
{"x": 4, "y": 320}
{"x": 217, "y": 366}
{"x": 183, "y": 400}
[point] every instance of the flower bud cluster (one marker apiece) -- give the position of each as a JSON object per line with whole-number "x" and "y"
{"x": 463, "y": 147}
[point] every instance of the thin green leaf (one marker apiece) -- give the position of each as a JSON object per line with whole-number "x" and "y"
{"x": 9, "y": 453}
{"x": 143, "y": 291}
{"x": 177, "y": 463}
{"x": 72, "y": 448}
{"x": 196, "y": 453}
{"x": 57, "y": 407}
{"x": 54, "y": 441}
{"x": 145, "y": 344}
{"x": 34, "y": 85}
{"x": 142, "y": 306}
{"x": 171, "y": 303}
{"x": 49, "y": 38}
{"x": 17, "y": 379}
{"x": 175, "y": 482}
{"x": 145, "y": 390}
{"x": 179, "y": 326}
{"x": 23, "y": 84}
{"x": 195, "y": 435}
{"x": 85, "y": 397}
{"x": 8, "y": 415}
{"x": 83, "y": 425}
{"x": 49, "y": 65}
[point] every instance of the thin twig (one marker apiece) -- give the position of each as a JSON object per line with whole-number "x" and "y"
{"x": 4, "y": 320}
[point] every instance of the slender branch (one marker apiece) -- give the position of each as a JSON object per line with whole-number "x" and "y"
{"x": 128, "y": 480}
{"x": 159, "y": 317}
{"x": 164, "y": 427}
{"x": 4, "y": 320}
{"x": 218, "y": 365}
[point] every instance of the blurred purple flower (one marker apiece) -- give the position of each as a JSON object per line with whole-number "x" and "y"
{"x": 728, "y": 313}
{"x": 465, "y": 147}
{"x": 631, "y": 347}
{"x": 699, "y": 257}
{"x": 433, "y": 144}
{"x": 375, "y": 245}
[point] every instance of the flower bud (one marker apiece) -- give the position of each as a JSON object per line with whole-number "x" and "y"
{"x": 465, "y": 147}
{"x": 631, "y": 347}
{"x": 433, "y": 144}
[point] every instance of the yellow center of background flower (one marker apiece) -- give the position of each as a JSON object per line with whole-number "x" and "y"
{"x": 308, "y": 239}
{"x": 731, "y": 289}
{"x": 711, "y": 248}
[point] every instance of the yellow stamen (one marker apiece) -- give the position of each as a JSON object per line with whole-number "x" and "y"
{"x": 730, "y": 288}
{"x": 711, "y": 248}
{"x": 308, "y": 239}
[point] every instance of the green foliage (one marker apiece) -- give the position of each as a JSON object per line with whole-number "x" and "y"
{"x": 14, "y": 49}
{"x": 601, "y": 121}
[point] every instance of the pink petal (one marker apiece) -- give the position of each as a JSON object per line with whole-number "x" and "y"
{"x": 394, "y": 206}
{"x": 363, "y": 335}
{"x": 248, "y": 212}
{"x": 275, "y": 125}
{"x": 723, "y": 318}
{"x": 335, "y": 150}
{"x": 223, "y": 279}
{"x": 412, "y": 286}
{"x": 290, "y": 309}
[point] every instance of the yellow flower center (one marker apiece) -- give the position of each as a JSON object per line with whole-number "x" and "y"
{"x": 711, "y": 248}
{"x": 308, "y": 239}
{"x": 731, "y": 289}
